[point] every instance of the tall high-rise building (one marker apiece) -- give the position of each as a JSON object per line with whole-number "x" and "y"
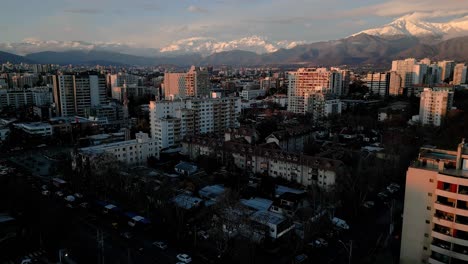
{"x": 405, "y": 69}
{"x": 305, "y": 82}
{"x": 395, "y": 87}
{"x": 434, "y": 105}
{"x": 194, "y": 83}
{"x": 73, "y": 93}
{"x": 459, "y": 74}
{"x": 435, "y": 217}
{"x": 378, "y": 83}
{"x": 447, "y": 68}
{"x": 171, "y": 120}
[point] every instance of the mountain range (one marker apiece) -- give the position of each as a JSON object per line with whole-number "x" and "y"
{"x": 407, "y": 36}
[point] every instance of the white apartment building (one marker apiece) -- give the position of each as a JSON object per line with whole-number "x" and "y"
{"x": 435, "y": 217}
{"x": 306, "y": 82}
{"x": 130, "y": 152}
{"x": 252, "y": 94}
{"x": 294, "y": 167}
{"x": 36, "y": 128}
{"x": 434, "y": 105}
{"x": 460, "y": 74}
{"x": 170, "y": 121}
{"x": 74, "y": 93}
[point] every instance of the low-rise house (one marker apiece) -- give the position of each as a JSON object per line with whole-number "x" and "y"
{"x": 185, "y": 168}
{"x": 250, "y": 135}
{"x": 187, "y": 202}
{"x": 271, "y": 224}
{"x": 291, "y": 139}
{"x": 212, "y": 192}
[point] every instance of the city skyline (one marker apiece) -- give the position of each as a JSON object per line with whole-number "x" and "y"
{"x": 156, "y": 24}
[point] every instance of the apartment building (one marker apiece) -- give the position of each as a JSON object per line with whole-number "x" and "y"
{"x": 378, "y": 83}
{"x": 434, "y": 105}
{"x": 435, "y": 217}
{"x": 36, "y": 129}
{"x": 75, "y": 92}
{"x": 170, "y": 121}
{"x": 194, "y": 83}
{"x": 460, "y": 74}
{"x": 263, "y": 159}
{"x": 305, "y": 82}
{"x": 130, "y": 152}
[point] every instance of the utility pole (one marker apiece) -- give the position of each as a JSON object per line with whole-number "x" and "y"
{"x": 100, "y": 243}
{"x": 349, "y": 250}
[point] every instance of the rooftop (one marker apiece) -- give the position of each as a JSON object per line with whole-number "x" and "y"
{"x": 187, "y": 201}
{"x": 258, "y": 204}
{"x": 265, "y": 217}
{"x": 212, "y": 191}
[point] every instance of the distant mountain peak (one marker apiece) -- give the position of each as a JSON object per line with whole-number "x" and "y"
{"x": 413, "y": 26}
{"x": 207, "y": 45}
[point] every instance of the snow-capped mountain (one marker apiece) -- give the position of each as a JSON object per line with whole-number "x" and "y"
{"x": 207, "y": 46}
{"x": 31, "y": 45}
{"x": 410, "y": 25}
{"x": 202, "y": 45}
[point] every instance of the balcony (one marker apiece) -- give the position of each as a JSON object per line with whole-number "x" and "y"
{"x": 460, "y": 219}
{"x": 442, "y": 230}
{"x": 441, "y": 243}
{"x": 458, "y": 261}
{"x": 445, "y": 201}
{"x": 441, "y": 258}
{"x": 460, "y": 252}
{"x": 444, "y": 215}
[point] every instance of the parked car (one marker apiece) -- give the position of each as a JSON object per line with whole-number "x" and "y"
{"x": 203, "y": 234}
{"x": 184, "y": 258}
{"x": 340, "y": 223}
{"x": 45, "y": 192}
{"x": 160, "y": 244}
{"x": 320, "y": 243}
{"x": 59, "y": 193}
{"x": 300, "y": 258}
{"x": 78, "y": 195}
{"x": 84, "y": 205}
{"x": 127, "y": 235}
{"x": 383, "y": 195}
{"x": 70, "y": 198}
{"x": 368, "y": 204}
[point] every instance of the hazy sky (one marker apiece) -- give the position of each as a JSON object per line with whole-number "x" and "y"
{"x": 155, "y": 23}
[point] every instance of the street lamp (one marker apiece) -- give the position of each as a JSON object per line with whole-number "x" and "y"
{"x": 349, "y": 250}
{"x": 62, "y": 253}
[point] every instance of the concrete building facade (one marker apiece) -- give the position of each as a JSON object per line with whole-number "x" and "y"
{"x": 435, "y": 218}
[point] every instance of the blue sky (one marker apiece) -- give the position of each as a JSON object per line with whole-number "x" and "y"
{"x": 155, "y": 23}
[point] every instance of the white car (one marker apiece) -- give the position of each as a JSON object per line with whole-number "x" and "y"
{"x": 59, "y": 193}
{"x": 184, "y": 258}
{"x": 45, "y": 192}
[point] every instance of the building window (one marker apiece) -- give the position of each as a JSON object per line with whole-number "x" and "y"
{"x": 426, "y": 235}
{"x": 429, "y": 194}
{"x": 431, "y": 180}
{"x": 428, "y": 208}
{"x": 428, "y": 222}
{"x": 424, "y": 248}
